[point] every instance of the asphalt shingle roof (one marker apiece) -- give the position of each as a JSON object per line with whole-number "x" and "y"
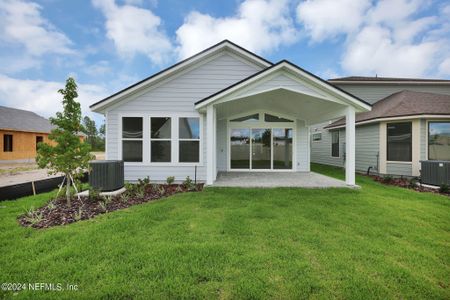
{"x": 387, "y": 79}
{"x": 404, "y": 103}
{"x": 23, "y": 120}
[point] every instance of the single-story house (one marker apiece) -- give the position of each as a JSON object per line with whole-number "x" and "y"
{"x": 224, "y": 109}
{"x": 409, "y": 122}
{"x": 20, "y": 132}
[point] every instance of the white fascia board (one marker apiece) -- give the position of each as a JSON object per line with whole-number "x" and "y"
{"x": 362, "y": 107}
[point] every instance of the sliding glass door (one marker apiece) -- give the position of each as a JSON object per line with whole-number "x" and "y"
{"x": 261, "y": 149}
{"x": 240, "y": 148}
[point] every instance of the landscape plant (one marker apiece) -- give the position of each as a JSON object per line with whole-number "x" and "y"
{"x": 66, "y": 153}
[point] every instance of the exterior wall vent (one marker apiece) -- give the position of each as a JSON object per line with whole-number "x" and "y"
{"x": 106, "y": 175}
{"x": 435, "y": 172}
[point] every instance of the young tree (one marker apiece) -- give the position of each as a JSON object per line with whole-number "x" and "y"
{"x": 69, "y": 155}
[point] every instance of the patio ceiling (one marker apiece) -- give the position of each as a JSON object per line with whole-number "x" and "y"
{"x": 301, "y": 106}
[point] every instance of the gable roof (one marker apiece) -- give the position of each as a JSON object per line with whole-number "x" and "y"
{"x": 367, "y": 79}
{"x": 23, "y": 120}
{"x": 282, "y": 64}
{"x": 403, "y": 104}
{"x": 223, "y": 45}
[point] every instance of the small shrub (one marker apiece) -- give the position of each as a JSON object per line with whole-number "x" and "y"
{"x": 144, "y": 182}
{"x": 78, "y": 215}
{"x": 189, "y": 184}
{"x": 103, "y": 205}
{"x": 170, "y": 180}
{"x": 444, "y": 189}
{"x": 108, "y": 200}
{"x": 124, "y": 197}
{"x": 388, "y": 179}
{"x": 140, "y": 192}
{"x": 33, "y": 216}
{"x": 94, "y": 194}
{"x": 412, "y": 184}
{"x": 161, "y": 190}
{"x": 51, "y": 205}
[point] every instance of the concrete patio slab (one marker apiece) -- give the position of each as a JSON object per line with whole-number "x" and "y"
{"x": 277, "y": 179}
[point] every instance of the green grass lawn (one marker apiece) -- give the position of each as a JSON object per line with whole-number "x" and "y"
{"x": 378, "y": 242}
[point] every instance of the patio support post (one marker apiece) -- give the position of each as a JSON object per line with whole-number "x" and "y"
{"x": 210, "y": 144}
{"x": 350, "y": 146}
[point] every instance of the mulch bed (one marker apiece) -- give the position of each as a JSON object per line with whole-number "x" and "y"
{"x": 57, "y": 212}
{"x": 406, "y": 183}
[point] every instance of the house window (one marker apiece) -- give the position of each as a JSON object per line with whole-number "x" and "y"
{"x": 132, "y": 139}
{"x": 39, "y": 139}
{"x": 316, "y": 137}
{"x": 399, "y": 141}
{"x": 254, "y": 117}
{"x": 160, "y": 139}
{"x": 189, "y": 140}
{"x": 272, "y": 118}
{"x": 439, "y": 140}
{"x": 335, "y": 143}
{"x": 7, "y": 143}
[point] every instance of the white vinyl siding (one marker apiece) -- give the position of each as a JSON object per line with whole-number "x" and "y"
{"x": 176, "y": 97}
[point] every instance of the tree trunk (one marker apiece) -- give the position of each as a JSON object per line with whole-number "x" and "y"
{"x": 68, "y": 189}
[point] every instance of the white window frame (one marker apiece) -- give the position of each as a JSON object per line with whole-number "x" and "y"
{"x": 189, "y": 140}
{"x": 427, "y": 133}
{"x": 171, "y": 139}
{"x": 174, "y": 138}
{"x": 339, "y": 143}
{"x": 262, "y": 124}
{"x": 122, "y": 139}
{"x": 318, "y": 140}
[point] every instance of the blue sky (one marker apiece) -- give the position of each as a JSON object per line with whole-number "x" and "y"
{"x": 107, "y": 45}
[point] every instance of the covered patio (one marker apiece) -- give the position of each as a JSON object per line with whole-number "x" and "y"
{"x": 261, "y": 128}
{"x": 277, "y": 179}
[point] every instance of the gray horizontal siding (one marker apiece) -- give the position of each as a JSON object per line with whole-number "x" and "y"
{"x": 321, "y": 150}
{"x": 367, "y": 146}
{"x": 373, "y": 93}
{"x": 399, "y": 169}
{"x": 176, "y": 95}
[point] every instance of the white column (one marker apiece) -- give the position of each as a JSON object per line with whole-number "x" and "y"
{"x": 210, "y": 144}
{"x": 308, "y": 149}
{"x": 350, "y": 146}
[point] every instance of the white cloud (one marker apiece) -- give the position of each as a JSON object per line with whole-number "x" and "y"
{"x": 384, "y": 37}
{"x": 42, "y": 97}
{"x": 135, "y": 30}
{"x": 259, "y": 25}
{"x": 375, "y": 51}
{"x": 444, "y": 67}
{"x": 21, "y": 23}
{"x": 327, "y": 18}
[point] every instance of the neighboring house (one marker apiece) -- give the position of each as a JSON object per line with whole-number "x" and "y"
{"x": 20, "y": 132}
{"x": 223, "y": 109}
{"x": 409, "y": 122}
